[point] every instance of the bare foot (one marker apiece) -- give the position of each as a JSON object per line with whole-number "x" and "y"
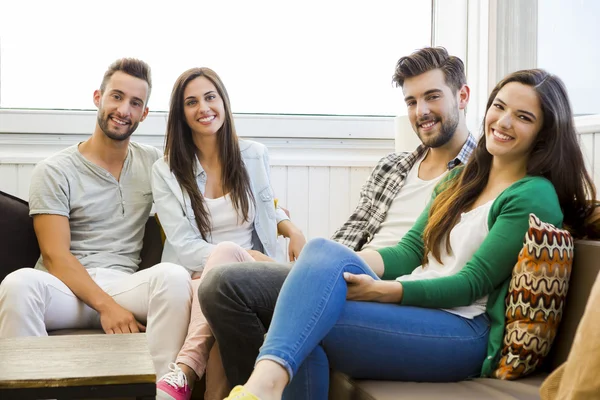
{"x": 267, "y": 380}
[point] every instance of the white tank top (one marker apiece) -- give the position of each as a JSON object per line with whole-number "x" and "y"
{"x": 465, "y": 238}
{"x": 227, "y": 225}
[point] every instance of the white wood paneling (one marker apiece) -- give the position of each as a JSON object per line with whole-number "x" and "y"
{"x": 23, "y": 178}
{"x": 9, "y": 179}
{"x": 340, "y": 206}
{"x": 587, "y": 147}
{"x": 320, "y": 198}
{"x": 358, "y": 177}
{"x": 318, "y": 201}
{"x": 297, "y": 196}
{"x": 279, "y": 184}
{"x": 595, "y": 159}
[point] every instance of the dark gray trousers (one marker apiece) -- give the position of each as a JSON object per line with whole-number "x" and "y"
{"x": 238, "y": 302}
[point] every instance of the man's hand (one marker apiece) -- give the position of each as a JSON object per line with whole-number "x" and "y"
{"x": 54, "y": 236}
{"x": 364, "y": 288}
{"x": 258, "y": 256}
{"x": 297, "y": 242}
{"x": 116, "y": 319}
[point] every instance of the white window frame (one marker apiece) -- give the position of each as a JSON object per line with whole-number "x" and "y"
{"x": 467, "y": 42}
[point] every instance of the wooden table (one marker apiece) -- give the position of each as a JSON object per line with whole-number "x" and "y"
{"x": 76, "y": 366}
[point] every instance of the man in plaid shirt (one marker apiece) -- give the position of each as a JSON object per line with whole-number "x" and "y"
{"x": 238, "y": 299}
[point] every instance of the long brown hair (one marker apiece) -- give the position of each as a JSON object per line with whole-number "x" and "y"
{"x": 555, "y": 155}
{"x": 180, "y": 152}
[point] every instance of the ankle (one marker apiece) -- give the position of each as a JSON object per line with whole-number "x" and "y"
{"x": 268, "y": 380}
{"x": 190, "y": 374}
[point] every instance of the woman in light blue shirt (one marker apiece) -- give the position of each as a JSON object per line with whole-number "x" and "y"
{"x": 215, "y": 203}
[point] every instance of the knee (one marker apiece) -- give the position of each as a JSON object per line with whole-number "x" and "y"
{"x": 173, "y": 273}
{"x": 226, "y": 252}
{"x": 18, "y": 283}
{"x": 318, "y": 244}
{"x": 174, "y": 280}
{"x": 211, "y": 283}
{"x": 228, "y": 248}
{"x": 319, "y": 247}
{"x": 321, "y": 252}
{"x": 218, "y": 283}
{"x": 19, "y": 287}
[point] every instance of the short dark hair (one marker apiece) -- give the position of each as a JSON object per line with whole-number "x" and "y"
{"x": 130, "y": 66}
{"x": 427, "y": 59}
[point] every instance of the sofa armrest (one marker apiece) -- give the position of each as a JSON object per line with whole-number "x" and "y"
{"x": 586, "y": 266}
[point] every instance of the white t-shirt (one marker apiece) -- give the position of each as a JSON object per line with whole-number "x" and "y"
{"x": 405, "y": 209}
{"x": 465, "y": 238}
{"x": 227, "y": 225}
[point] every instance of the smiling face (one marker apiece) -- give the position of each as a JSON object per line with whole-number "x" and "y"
{"x": 203, "y": 107}
{"x": 513, "y": 122}
{"x": 433, "y": 109}
{"x": 122, "y": 105}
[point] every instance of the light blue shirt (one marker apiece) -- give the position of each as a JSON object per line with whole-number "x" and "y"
{"x": 184, "y": 244}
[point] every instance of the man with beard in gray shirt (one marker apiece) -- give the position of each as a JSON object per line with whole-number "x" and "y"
{"x": 90, "y": 203}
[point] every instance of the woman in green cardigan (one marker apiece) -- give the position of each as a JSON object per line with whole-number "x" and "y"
{"x": 431, "y": 308}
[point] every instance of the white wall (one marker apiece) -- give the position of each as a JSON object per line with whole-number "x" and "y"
{"x": 568, "y": 33}
{"x": 589, "y": 130}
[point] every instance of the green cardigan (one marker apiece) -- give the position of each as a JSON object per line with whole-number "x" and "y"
{"x": 489, "y": 270}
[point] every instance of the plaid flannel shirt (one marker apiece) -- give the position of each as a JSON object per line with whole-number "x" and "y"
{"x": 381, "y": 188}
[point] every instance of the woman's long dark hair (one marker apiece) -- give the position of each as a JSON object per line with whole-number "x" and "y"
{"x": 180, "y": 152}
{"x": 555, "y": 155}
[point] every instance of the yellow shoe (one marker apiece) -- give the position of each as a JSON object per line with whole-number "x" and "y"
{"x": 240, "y": 393}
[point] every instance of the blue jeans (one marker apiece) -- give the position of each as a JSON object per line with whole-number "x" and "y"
{"x": 314, "y": 328}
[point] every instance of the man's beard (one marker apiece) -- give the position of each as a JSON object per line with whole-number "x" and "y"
{"x": 447, "y": 129}
{"x": 103, "y": 121}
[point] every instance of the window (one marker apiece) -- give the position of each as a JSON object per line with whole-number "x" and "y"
{"x": 275, "y": 57}
{"x": 568, "y": 47}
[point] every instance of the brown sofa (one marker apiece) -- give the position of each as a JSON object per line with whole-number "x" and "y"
{"x": 585, "y": 269}
{"x": 18, "y": 248}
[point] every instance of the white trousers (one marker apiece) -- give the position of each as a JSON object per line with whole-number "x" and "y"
{"x": 33, "y": 302}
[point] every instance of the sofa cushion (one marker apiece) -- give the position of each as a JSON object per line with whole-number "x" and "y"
{"x": 342, "y": 387}
{"x": 19, "y": 247}
{"x": 18, "y": 244}
{"x": 153, "y": 245}
{"x": 536, "y": 297}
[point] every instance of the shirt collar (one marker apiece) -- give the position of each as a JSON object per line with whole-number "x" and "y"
{"x": 464, "y": 153}
{"x": 198, "y": 170}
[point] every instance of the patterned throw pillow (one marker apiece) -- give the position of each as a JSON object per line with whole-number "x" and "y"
{"x": 536, "y": 297}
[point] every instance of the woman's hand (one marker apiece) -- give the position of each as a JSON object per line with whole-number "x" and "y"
{"x": 258, "y": 256}
{"x": 364, "y": 288}
{"x": 297, "y": 242}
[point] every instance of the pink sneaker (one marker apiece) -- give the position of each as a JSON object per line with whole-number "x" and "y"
{"x": 173, "y": 385}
